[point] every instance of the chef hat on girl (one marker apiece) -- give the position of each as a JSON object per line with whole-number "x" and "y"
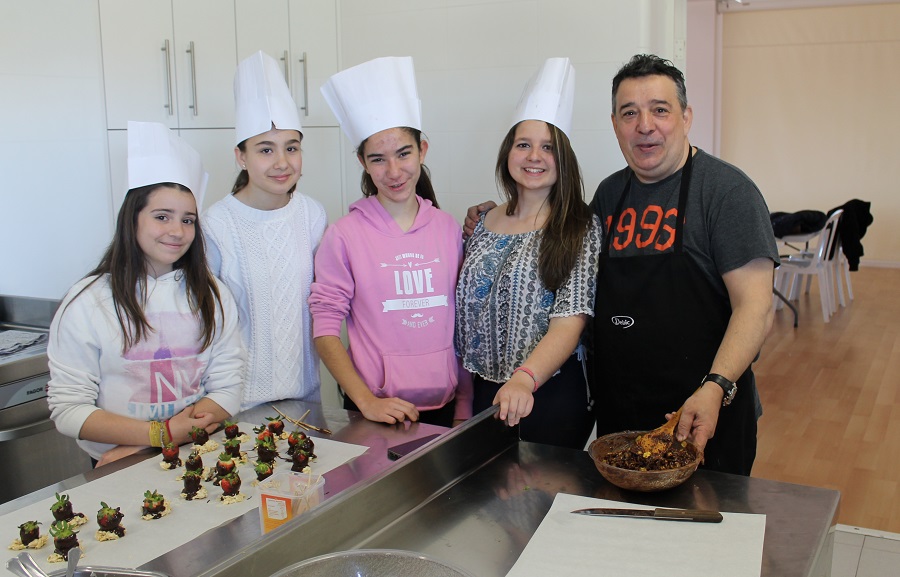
{"x": 156, "y": 154}
{"x": 549, "y": 95}
{"x": 262, "y": 98}
{"x": 374, "y": 96}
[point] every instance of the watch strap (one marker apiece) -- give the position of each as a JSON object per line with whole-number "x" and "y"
{"x": 728, "y": 387}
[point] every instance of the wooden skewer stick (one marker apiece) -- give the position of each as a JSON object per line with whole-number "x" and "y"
{"x": 300, "y": 423}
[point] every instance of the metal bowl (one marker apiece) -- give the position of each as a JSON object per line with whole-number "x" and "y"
{"x": 632, "y": 480}
{"x": 372, "y": 563}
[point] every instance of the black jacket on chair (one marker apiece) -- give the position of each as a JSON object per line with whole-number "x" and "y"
{"x": 856, "y": 219}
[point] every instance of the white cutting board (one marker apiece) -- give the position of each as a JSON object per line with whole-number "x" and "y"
{"x": 567, "y": 545}
{"x": 146, "y": 540}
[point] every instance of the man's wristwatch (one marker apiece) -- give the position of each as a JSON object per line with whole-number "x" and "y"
{"x": 728, "y": 387}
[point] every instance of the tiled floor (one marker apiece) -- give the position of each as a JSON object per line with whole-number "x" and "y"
{"x": 865, "y": 553}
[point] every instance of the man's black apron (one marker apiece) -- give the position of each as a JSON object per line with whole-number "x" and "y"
{"x": 658, "y": 324}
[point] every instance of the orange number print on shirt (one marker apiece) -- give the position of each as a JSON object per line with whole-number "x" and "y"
{"x": 655, "y": 228}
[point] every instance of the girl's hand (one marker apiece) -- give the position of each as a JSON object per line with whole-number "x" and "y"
{"x": 391, "y": 410}
{"x": 181, "y": 424}
{"x": 515, "y": 399}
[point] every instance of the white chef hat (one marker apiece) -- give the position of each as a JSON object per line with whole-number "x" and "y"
{"x": 156, "y": 154}
{"x": 374, "y": 96}
{"x": 262, "y": 98}
{"x": 549, "y": 95}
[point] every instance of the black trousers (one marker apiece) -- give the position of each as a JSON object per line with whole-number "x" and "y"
{"x": 562, "y": 414}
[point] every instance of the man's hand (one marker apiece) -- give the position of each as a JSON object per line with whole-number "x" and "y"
{"x": 472, "y": 216}
{"x": 700, "y": 415}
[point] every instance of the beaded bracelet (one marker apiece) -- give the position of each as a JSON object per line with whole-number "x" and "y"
{"x": 530, "y": 373}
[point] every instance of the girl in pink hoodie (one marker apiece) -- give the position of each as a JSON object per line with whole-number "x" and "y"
{"x": 389, "y": 267}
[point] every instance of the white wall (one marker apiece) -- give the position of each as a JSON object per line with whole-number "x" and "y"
{"x": 799, "y": 106}
{"x": 55, "y": 206}
{"x": 701, "y": 72}
{"x": 473, "y": 59}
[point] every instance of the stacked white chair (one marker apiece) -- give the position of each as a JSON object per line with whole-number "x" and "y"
{"x": 789, "y": 276}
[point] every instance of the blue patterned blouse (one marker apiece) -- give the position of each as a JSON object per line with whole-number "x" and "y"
{"x": 502, "y": 307}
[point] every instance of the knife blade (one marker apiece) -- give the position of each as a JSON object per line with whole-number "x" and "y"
{"x": 697, "y": 515}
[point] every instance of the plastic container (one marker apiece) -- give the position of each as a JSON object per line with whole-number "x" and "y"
{"x": 283, "y": 496}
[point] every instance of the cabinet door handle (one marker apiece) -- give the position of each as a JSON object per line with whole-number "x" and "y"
{"x": 190, "y": 50}
{"x": 168, "y": 104}
{"x": 287, "y": 69}
{"x": 305, "y": 62}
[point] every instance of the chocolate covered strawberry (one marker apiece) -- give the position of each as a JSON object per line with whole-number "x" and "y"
{"x": 231, "y": 484}
{"x": 224, "y": 466}
{"x": 307, "y": 446}
{"x": 199, "y": 435}
{"x": 191, "y": 480}
{"x": 29, "y": 531}
{"x": 231, "y": 430}
{"x": 294, "y": 439}
{"x": 194, "y": 462}
{"x": 171, "y": 456}
{"x": 300, "y": 460}
{"x": 64, "y": 538}
{"x": 62, "y": 508}
{"x": 108, "y": 519}
{"x": 263, "y": 470}
{"x": 154, "y": 504}
{"x": 276, "y": 425}
{"x": 265, "y": 450}
{"x": 233, "y": 448}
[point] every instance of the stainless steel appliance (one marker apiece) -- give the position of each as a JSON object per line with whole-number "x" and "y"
{"x": 33, "y": 454}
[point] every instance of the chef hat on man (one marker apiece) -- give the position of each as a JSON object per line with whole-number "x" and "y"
{"x": 374, "y": 96}
{"x": 156, "y": 154}
{"x": 549, "y": 95}
{"x": 262, "y": 98}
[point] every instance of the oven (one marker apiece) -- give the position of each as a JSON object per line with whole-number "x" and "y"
{"x": 32, "y": 452}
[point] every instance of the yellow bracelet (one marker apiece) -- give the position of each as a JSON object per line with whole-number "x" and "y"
{"x": 158, "y": 434}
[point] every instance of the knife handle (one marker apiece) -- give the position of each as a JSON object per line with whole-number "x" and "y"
{"x": 689, "y": 515}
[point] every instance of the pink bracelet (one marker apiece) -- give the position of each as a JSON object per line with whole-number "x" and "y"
{"x": 530, "y": 373}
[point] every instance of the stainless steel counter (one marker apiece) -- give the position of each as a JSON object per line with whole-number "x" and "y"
{"x": 474, "y": 497}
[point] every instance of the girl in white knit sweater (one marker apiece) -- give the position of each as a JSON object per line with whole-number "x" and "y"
{"x": 262, "y": 238}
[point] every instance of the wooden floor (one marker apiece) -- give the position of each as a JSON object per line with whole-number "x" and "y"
{"x": 831, "y": 400}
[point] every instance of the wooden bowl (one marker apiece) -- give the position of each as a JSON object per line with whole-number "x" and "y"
{"x": 632, "y": 480}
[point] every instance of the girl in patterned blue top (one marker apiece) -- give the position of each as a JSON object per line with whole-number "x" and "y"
{"x": 528, "y": 280}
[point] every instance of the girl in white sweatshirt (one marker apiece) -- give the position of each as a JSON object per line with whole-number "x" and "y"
{"x": 146, "y": 346}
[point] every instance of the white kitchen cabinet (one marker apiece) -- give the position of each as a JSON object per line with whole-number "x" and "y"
{"x": 302, "y": 36}
{"x": 169, "y": 61}
{"x": 314, "y": 52}
{"x": 263, "y": 25}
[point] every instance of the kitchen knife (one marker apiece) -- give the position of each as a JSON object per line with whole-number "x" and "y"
{"x": 697, "y": 515}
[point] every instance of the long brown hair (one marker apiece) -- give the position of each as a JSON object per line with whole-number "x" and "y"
{"x": 125, "y": 263}
{"x": 424, "y": 187}
{"x": 570, "y": 217}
